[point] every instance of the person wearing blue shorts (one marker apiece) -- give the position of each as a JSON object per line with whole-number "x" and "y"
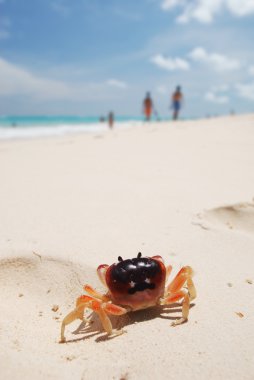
{"x": 177, "y": 99}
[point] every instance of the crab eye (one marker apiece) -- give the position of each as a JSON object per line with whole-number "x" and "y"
{"x": 120, "y": 258}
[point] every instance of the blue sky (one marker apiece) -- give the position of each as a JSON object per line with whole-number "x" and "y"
{"x": 87, "y": 57}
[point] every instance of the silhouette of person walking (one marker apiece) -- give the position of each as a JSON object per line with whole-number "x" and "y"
{"x": 147, "y": 106}
{"x": 111, "y": 119}
{"x": 177, "y": 99}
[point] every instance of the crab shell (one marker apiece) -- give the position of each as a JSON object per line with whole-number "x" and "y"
{"x": 136, "y": 283}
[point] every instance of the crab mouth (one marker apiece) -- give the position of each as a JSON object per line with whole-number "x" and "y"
{"x": 140, "y": 287}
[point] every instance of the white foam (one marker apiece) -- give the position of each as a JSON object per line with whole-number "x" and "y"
{"x": 20, "y": 132}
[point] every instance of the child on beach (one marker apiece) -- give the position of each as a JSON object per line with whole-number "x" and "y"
{"x": 110, "y": 119}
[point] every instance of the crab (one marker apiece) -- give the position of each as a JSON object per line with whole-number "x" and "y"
{"x": 134, "y": 284}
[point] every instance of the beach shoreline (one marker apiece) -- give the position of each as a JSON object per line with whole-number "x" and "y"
{"x": 182, "y": 190}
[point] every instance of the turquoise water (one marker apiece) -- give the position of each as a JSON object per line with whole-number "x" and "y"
{"x": 33, "y": 121}
{"x": 15, "y": 127}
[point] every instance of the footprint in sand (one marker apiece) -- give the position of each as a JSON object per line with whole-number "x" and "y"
{"x": 36, "y": 293}
{"x": 239, "y": 216}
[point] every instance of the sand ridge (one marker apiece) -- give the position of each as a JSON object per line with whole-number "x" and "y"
{"x": 237, "y": 217}
{"x": 41, "y": 288}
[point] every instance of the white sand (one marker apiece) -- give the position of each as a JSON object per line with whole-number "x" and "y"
{"x": 182, "y": 190}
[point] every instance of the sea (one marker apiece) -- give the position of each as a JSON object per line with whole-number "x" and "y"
{"x": 24, "y": 127}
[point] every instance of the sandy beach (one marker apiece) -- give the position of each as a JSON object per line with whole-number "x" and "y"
{"x": 183, "y": 190}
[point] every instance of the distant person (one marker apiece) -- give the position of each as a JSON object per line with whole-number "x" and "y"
{"x": 148, "y": 106}
{"x": 102, "y": 119}
{"x": 177, "y": 99}
{"x": 111, "y": 119}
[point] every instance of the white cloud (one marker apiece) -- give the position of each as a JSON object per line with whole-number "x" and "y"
{"x": 170, "y": 64}
{"x": 216, "y": 98}
{"x": 245, "y": 91}
{"x": 198, "y": 54}
{"x": 169, "y": 4}
{"x": 205, "y": 10}
{"x": 251, "y": 70}
{"x": 162, "y": 90}
{"x": 116, "y": 83}
{"x": 16, "y": 81}
{"x": 240, "y": 7}
{"x": 218, "y": 94}
{"x": 217, "y": 61}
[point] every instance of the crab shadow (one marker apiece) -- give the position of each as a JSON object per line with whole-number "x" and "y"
{"x": 94, "y": 327}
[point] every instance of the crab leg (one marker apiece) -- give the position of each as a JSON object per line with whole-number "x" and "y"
{"x": 191, "y": 289}
{"x": 101, "y": 308}
{"x": 182, "y": 277}
{"x": 174, "y": 292}
{"x": 101, "y": 271}
{"x": 96, "y": 294}
{"x": 185, "y": 305}
{"x": 168, "y": 271}
{"x": 78, "y": 313}
{"x": 110, "y": 308}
